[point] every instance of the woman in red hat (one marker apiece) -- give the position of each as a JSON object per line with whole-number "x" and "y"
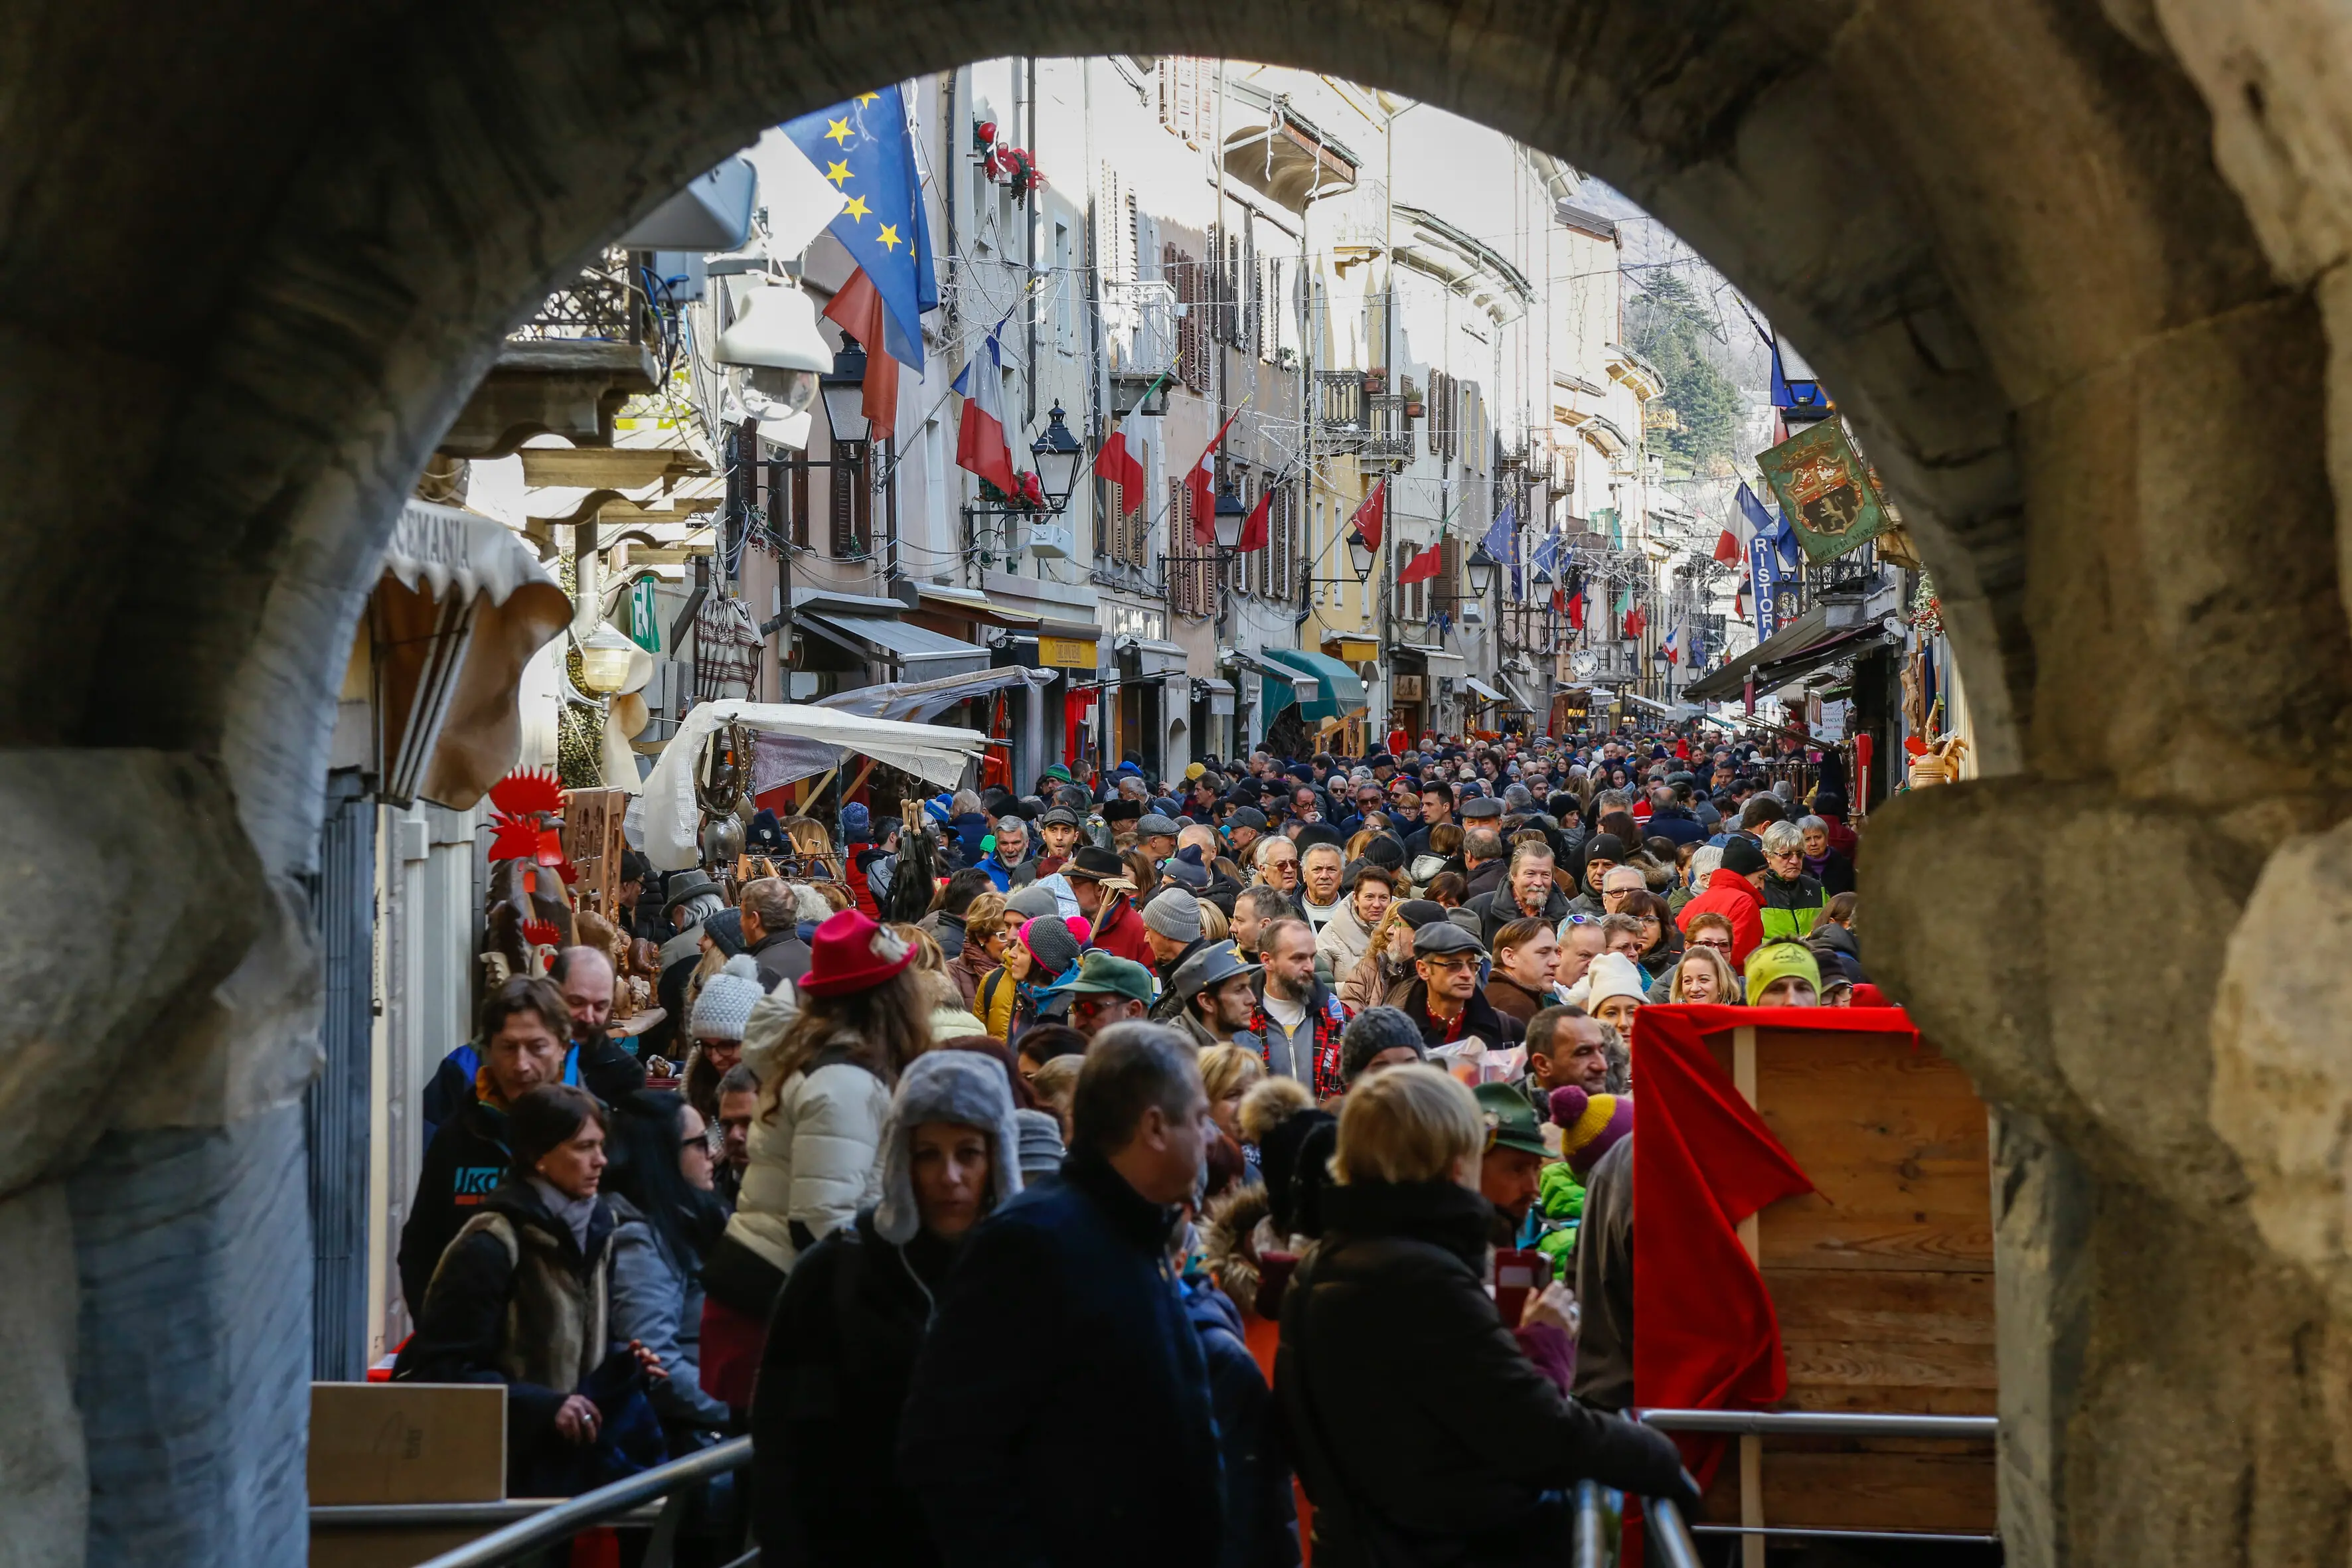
{"x": 827, "y": 1053}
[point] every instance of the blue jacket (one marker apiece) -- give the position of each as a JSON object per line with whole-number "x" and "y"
{"x": 1111, "y": 1454}
{"x": 1261, "y": 1531}
{"x": 1676, "y": 823}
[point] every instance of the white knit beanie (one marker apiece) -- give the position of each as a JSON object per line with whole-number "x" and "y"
{"x": 726, "y": 1000}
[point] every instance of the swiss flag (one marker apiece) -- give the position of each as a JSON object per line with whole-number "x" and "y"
{"x": 1124, "y": 468}
{"x": 1256, "y": 527}
{"x": 1203, "y": 481}
{"x": 1372, "y": 516}
{"x": 1636, "y": 619}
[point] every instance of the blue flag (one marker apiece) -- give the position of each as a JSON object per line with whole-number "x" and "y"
{"x": 1546, "y": 558}
{"x": 1763, "y": 523}
{"x": 1502, "y": 542}
{"x": 864, "y": 148}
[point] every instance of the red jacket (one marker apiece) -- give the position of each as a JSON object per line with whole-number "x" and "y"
{"x": 1732, "y": 896}
{"x": 1121, "y": 933}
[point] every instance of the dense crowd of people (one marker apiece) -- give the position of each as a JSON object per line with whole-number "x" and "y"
{"x": 1206, "y": 1171}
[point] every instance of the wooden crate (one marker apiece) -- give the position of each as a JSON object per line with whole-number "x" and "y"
{"x": 1882, "y": 1280}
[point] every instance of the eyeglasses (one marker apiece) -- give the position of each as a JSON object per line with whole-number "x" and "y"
{"x": 1720, "y": 944}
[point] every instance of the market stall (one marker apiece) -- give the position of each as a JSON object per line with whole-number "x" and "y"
{"x": 815, "y": 739}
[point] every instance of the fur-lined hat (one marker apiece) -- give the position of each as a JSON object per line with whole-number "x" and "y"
{"x": 962, "y": 1087}
{"x": 1229, "y": 1244}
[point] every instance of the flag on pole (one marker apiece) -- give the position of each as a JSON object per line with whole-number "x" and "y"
{"x": 1576, "y": 608}
{"x": 1257, "y": 528}
{"x": 1371, "y": 514}
{"x": 980, "y": 434}
{"x": 860, "y": 311}
{"x": 1203, "y": 481}
{"x": 1673, "y": 656}
{"x": 1544, "y": 557}
{"x": 1422, "y": 566}
{"x": 1727, "y": 549}
{"x": 865, "y": 150}
{"x": 1637, "y": 621}
{"x": 1123, "y": 466}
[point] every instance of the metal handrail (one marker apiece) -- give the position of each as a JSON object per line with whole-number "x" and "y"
{"x": 441, "y": 1515}
{"x": 1591, "y": 1540}
{"x": 1821, "y": 1424}
{"x": 602, "y": 1507}
{"x": 1669, "y": 1534}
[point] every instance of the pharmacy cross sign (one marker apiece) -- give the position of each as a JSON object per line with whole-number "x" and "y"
{"x": 1826, "y": 491}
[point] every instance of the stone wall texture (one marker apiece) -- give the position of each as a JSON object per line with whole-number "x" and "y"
{"x": 2075, "y": 269}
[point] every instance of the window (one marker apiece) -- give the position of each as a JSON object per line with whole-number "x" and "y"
{"x": 1064, "y": 286}
{"x": 853, "y": 501}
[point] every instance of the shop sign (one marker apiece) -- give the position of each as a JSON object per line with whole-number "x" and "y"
{"x": 1066, "y": 653}
{"x": 1826, "y": 491}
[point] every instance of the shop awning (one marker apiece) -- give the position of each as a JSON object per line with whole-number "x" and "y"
{"x": 1481, "y": 690}
{"x": 1438, "y": 661}
{"x": 462, "y": 607}
{"x": 1339, "y": 692}
{"x": 1151, "y": 656}
{"x": 1520, "y": 698}
{"x": 1279, "y": 685}
{"x": 924, "y": 653}
{"x": 1351, "y": 649}
{"x": 920, "y": 702}
{"x": 1793, "y": 664}
{"x": 1732, "y": 677}
{"x": 933, "y": 753}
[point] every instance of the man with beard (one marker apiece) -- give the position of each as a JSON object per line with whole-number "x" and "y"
{"x": 1215, "y": 996}
{"x": 1527, "y": 892}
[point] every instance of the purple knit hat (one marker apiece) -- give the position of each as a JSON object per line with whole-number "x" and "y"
{"x": 1589, "y": 1125}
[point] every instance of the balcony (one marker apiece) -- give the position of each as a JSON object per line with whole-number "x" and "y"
{"x": 1389, "y": 430}
{"x": 1139, "y": 333}
{"x": 1341, "y": 421}
{"x": 591, "y": 346}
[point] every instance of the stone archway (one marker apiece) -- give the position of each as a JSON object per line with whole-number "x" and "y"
{"x": 255, "y": 269}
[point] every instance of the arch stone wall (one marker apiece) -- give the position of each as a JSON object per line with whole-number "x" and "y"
{"x": 2076, "y": 269}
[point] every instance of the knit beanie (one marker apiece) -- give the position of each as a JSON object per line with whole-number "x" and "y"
{"x": 1604, "y": 846}
{"x": 1041, "y": 1144}
{"x": 1613, "y": 975}
{"x": 1743, "y": 856}
{"x": 1049, "y": 941}
{"x": 1187, "y": 867}
{"x": 1032, "y": 900}
{"x": 1174, "y": 914}
{"x": 726, "y": 1000}
{"x": 1589, "y": 1125}
{"x": 1372, "y": 1031}
{"x": 1779, "y": 960}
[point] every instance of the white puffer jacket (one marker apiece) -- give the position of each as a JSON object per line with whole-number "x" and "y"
{"x": 817, "y": 1161}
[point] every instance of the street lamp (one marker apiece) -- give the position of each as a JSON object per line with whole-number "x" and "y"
{"x": 1230, "y": 514}
{"x": 1058, "y": 455}
{"x": 1482, "y": 572}
{"x": 1359, "y": 555}
{"x": 844, "y": 389}
{"x": 605, "y": 655}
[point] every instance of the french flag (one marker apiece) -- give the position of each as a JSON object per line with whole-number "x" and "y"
{"x": 1673, "y": 656}
{"x": 980, "y": 434}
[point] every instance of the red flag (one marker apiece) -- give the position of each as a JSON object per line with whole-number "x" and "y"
{"x": 858, "y": 310}
{"x": 1203, "y": 481}
{"x": 1727, "y": 550}
{"x": 1115, "y": 463}
{"x": 1637, "y": 620}
{"x": 1371, "y": 515}
{"x": 1422, "y": 567}
{"x": 1558, "y": 600}
{"x": 1576, "y": 611}
{"x": 1739, "y": 604}
{"x": 1256, "y": 531}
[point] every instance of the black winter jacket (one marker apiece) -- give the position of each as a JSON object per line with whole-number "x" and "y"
{"x": 1261, "y": 1523}
{"x": 1413, "y": 1412}
{"x": 534, "y": 1319}
{"x": 467, "y": 1163}
{"x": 1111, "y": 1455}
{"x": 1480, "y": 1018}
{"x": 824, "y": 1417}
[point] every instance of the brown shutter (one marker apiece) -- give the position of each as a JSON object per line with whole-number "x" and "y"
{"x": 841, "y": 485}
{"x": 801, "y": 504}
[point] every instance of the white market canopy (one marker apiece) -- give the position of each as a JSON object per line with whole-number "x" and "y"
{"x": 935, "y": 752}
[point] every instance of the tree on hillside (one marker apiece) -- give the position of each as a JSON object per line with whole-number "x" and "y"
{"x": 1669, "y": 327}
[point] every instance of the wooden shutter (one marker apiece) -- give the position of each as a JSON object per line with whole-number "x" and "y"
{"x": 800, "y": 504}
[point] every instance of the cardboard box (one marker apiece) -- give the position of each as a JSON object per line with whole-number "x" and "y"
{"x": 407, "y": 1442}
{"x": 387, "y": 1547}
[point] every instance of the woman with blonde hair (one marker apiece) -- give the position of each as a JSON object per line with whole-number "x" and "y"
{"x": 827, "y": 1057}
{"x": 1385, "y": 973}
{"x": 947, "y": 1015}
{"x": 1495, "y": 1442}
{"x": 1704, "y": 977}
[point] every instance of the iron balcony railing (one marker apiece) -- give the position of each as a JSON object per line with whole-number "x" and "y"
{"x": 1140, "y": 328}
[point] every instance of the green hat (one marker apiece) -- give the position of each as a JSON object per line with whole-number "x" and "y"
{"x": 1778, "y": 960}
{"x": 1101, "y": 973}
{"x": 1510, "y": 1119}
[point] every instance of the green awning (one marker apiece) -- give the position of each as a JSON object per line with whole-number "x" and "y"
{"x": 1341, "y": 690}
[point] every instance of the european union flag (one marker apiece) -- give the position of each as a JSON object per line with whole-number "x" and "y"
{"x": 1502, "y": 544}
{"x": 866, "y": 149}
